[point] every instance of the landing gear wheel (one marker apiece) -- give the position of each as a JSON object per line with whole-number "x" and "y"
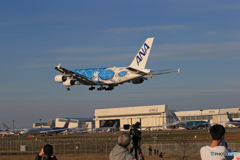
{"x": 68, "y": 89}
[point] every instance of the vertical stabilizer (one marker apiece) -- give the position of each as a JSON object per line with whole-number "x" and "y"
{"x": 115, "y": 125}
{"x": 229, "y": 117}
{"x": 5, "y": 127}
{"x": 175, "y": 118}
{"x": 66, "y": 124}
{"x": 141, "y": 58}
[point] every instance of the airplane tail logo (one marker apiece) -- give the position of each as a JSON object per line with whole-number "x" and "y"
{"x": 5, "y": 126}
{"x": 87, "y": 125}
{"x": 141, "y": 58}
{"x": 209, "y": 120}
{"x": 175, "y": 118}
{"x": 229, "y": 117}
{"x": 115, "y": 125}
{"x": 66, "y": 124}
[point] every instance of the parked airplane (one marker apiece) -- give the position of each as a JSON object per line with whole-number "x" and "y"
{"x": 188, "y": 124}
{"x": 6, "y": 133}
{"x": 45, "y": 131}
{"x": 108, "y": 78}
{"x": 78, "y": 129}
{"x": 14, "y": 131}
{"x": 231, "y": 121}
{"x": 107, "y": 129}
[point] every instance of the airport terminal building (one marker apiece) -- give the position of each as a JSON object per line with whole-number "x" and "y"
{"x": 158, "y": 116}
{"x": 153, "y": 117}
{"x": 217, "y": 116}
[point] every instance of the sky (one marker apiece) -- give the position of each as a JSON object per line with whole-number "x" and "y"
{"x": 200, "y": 37}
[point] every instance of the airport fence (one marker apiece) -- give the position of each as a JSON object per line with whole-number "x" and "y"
{"x": 97, "y": 146}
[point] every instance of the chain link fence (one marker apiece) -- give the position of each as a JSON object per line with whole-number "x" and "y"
{"x": 95, "y": 145}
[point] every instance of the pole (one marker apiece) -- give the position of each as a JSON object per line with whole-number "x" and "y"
{"x": 13, "y": 124}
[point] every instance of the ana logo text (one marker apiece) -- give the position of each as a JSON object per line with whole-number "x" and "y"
{"x": 139, "y": 57}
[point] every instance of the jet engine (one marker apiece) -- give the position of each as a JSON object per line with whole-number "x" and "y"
{"x": 60, "y": 78}
{"x": 68, "y": 82}
{"x": 48, "y": 134}
{"x": 137, "y": 81}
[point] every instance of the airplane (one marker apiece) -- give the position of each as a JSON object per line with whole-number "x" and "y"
{"x": 3, "y": 133}
{"x": 45, "y": 131}
{"x": 108, "y": 78}
{"x": 78, "y": 129}
{"x": 14, "y": 131}
{"x": 233, "y": 122}
{"x": 188, "y": 124}
{"x": 107, "y": 129}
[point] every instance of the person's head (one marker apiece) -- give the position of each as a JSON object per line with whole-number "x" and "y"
{"x": 124, "y": 140}
{"x": 48, "y": 150}
{"x": 217, "y": 132}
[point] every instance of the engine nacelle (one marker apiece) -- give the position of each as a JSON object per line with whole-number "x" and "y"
{"x": 60, "y": 78}
{"x": 48, "y": 134}
{"x": 68, "y": 82}
{"x": 137, "y": 81}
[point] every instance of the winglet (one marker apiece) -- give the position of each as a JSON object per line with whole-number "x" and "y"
{"x": 178, "y": 70}
{"x": 59, "y": 65}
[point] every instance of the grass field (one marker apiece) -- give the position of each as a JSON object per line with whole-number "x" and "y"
{"x": 87, "y": 157}
{"x": 164, "y": 137}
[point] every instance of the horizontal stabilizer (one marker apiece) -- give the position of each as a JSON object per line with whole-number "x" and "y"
{"x": 139, "y": 70}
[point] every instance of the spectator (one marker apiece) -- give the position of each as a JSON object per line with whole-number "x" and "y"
{"x": 47, "y": 150}
{"x": 150, "y": 150}
{"x": 161, "y": 155}
{"x": 120, "y": 151}
{"x": 214, "y": 151}
{"x": 155, "y": 152}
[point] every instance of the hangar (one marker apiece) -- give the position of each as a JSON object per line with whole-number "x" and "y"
{"x": 153, "y": 116}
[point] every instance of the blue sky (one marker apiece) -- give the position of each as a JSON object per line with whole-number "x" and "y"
{"x": 200, "y": 37}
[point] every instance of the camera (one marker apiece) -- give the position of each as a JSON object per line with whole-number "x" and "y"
{"x": 135, "y": 135}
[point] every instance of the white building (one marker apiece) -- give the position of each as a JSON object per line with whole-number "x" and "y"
{"x": 149, "y": 116}
{"x": 158, "y": 116}
{"x": 218, "y": 116}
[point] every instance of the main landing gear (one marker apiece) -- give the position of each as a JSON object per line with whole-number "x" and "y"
{"x": 91, "y": 88}
{"x": 109, "y": 88}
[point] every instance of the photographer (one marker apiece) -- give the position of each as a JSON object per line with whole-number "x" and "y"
{"x": 215, "y": 151}
{"x": 47, "y": 150}
{"x": 120, "y": 151}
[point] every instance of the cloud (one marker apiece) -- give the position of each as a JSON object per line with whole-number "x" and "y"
{"x": 197, "y": 51}
{"x": 4, "y": 24}
{"x": 184, "y": 51}
{"x": 90, "y": 49}
{"x": 210, "y": 33}
{"x": 141, "y": 29}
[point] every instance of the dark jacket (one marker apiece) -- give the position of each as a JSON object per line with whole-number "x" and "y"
{"x": 45, "y": 158}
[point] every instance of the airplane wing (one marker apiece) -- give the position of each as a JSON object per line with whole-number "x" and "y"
{"x": 53, "y": 131}
{"x": 152, "y": 73}
{"x": 75, "y": 76}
